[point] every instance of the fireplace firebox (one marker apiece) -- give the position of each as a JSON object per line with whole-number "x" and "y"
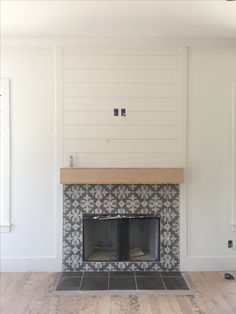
{"x": 121, "y": 237}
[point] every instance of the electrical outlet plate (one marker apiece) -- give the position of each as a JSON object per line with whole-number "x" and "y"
{"x": 116, "y": 112}
{"x": 123, "y": 112}
{"x": 230, "y": 244}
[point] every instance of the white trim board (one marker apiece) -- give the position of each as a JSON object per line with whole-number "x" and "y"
{"x": 233, "y": 160}
{"x": 5, "y": 228}
{"x": 208, "y": 263}
{"x": 34, "y": 264}
{"x": 58, "y": 152}
{"x": 119, "y": 42}
{"x": 5, "y": 183}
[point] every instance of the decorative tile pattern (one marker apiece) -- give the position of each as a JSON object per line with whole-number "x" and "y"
{"x": 158, "y": 199}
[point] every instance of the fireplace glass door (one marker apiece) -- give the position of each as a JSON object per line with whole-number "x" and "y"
{"x": 121, "y": 238}
{"x": 144, "y": 239}
{"x": 100, "y": 238}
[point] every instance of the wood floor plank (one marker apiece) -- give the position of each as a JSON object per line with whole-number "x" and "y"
{"x": 32, "y": 293}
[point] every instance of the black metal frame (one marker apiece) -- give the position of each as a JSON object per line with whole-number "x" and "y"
{"x": 122, "y": 233}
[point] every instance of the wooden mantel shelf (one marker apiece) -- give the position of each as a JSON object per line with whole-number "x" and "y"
{"x": 121, "y": 175}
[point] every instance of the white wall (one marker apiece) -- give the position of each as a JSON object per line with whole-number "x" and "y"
{"x": 211, "y": 73}
{"x": 32, "y": 238}
{"x": 32, "y": 243}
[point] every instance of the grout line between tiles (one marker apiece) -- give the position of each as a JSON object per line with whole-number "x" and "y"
{"x": 57, "y": 282}
{"x": 108, "y": 285}
{"x": 81, "y": 281}
{"x": 135, "y": 281}
{"x": 163, "y": 282}
{"x": 171, "y": 276}
{"x": 71, "y": 276}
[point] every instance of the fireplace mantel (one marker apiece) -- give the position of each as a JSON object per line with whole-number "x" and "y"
{"x": 121, "y": 175}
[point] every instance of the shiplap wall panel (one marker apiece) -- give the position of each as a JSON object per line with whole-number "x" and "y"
{"x": 121, "y": 90}
{"x": 78, "y": 104}
{"x": 120, "y": 76}
{"x": 118, "y": 50}
{"x": 147, "y": 82}
{"x": 132, "y": 118}
{"x": 119, "y": 61}
{"x": 121, "y": 146}
{"x": 124, "y": 132}
{"x": 121, "y": 159}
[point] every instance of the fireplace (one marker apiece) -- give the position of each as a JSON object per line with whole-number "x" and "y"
{"x": 121, "y": 238}
{"x": 121, "y": 227}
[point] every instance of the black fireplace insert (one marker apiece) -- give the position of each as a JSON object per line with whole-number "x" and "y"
{"x": 121, "y": 237}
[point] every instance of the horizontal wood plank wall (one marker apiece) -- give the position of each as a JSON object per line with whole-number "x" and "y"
{"x": 147, "y": 82}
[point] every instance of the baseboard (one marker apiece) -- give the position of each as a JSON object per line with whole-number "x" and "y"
{"x": 34, "y": 264}
{"x": 208, "y": 263}
{"x": 53, "y": 264}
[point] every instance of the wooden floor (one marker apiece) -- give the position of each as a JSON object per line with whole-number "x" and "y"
{"x": 30, "y": 293}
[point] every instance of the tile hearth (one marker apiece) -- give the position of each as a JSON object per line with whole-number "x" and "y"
{"x": 85, "y": 281}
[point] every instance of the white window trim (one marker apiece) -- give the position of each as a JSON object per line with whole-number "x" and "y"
{"x": 5, "y": 224}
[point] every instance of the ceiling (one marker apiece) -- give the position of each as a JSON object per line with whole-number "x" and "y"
{"x": 114, "y": 18}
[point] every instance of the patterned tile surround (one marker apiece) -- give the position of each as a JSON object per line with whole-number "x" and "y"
{"x": 162, "y": 199}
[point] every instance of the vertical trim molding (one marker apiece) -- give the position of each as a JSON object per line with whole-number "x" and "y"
{"x": 233, "y": 161}
{"x": 183, "y": 187}
{"x": 5, "y": 169}
{"x": 58, "y": 150}
{"x": 184, "y": 103}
